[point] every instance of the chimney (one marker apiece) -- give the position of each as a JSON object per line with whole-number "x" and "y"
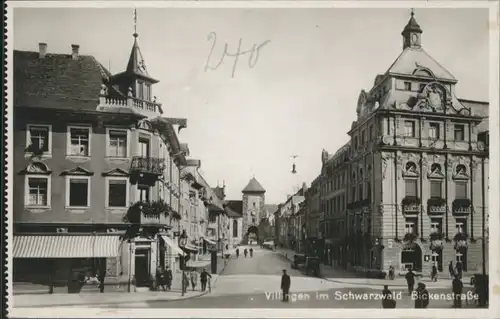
{"x": 74, "y": 51}
{"x": 42, "y": 49}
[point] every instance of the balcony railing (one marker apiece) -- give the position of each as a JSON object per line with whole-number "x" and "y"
{"x": 142, "y": 106}
{"x": 151, "y": 165}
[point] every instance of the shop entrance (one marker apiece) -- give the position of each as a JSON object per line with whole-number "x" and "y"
{"x": 411, "y": 257}
{"x": 142, "y": 271}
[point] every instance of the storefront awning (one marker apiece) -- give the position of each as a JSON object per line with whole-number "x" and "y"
{"x": 65, "y": 246}
{"x": 189, "y": 248}
{"x": 170, "y": 242}
{"x": 209, "y": 241}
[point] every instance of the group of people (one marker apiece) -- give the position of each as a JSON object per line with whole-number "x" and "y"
{"x": 164, "y": 279}
{"x": 422, "y": 295}
{"x": 245, "y": 252}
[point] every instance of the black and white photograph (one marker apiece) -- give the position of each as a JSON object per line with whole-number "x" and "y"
{"x": 216, "y": 159}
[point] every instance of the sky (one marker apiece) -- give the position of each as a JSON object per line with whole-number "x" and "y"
{"x": 297, "y": 96}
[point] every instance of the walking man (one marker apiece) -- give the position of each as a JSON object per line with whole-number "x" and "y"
{"x": 434, "y": 273}
{"x": 285, "y": 285}
{"x": 245, "y": 252}
{"x": 237, "y": 252}
{"x": 410, "y": 281}
{"x": 457, "y": 292}
{"x": 203, "y": 278}
{"x": 160, "y": 279}
{"x": 168, "y": 277}
{"x": 388, "y": 300}
{"x": 451, "y": 270}
{"x": 459, "y": 270}
{"x": 251, "y": 252}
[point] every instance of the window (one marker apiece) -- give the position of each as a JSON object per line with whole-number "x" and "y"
{"x": 235, "y": 228}
{"x": 460, "y": 190}
{"x": 147, "y": 92}
{"x": 421, "y": 87}
{"x": 117, "y": 192}
{"x": 407, "y": 86}
{"x": 253, "y": 220}
{"x": 78, "y": 191}
{"x": 411, "y": 226}
{"x": 459, "y": 132}
{"x": 411, "y": 187}
{"x": 117, "y": 145}
{"x": 353, "y": 194}
{"x": 436, "y": 189}
{"x": 355, "y": 143}
{"x": 140, "y": 90}
{"x": 388, "y": 126}
{"x": 461, "y": 225}
{"x": 360, "y": 192}
{"x": 79, "y": 141}
{"x": 38, "y": 190}
{"x": 370, "y": 133}
{"x": 436, "y": 225}
{"x": 144, "y": 147}
{"x": 434, "y": 131}
{"x": 363, "y": 137}
{"x": 38, "y": 137}
{"x": 409, "y": 129}
{"x": 143, "y": 193}
{"x": 369, "y": 190}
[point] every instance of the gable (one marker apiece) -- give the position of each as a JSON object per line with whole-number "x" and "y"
{"x": 413, "y": 61}
{"x": 77, "y": 171}
{"x": 116, "y": 172}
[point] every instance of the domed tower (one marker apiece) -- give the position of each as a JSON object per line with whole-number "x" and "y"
{"x": 253, "y": 207}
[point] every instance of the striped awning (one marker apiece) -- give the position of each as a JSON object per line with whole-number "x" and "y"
{"x": 211, "y": 242}
{"x": 170, "y": 242}
{"x": 66, "y": 246}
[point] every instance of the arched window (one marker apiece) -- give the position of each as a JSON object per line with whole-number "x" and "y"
{"x": 461, "y": 169}
{"x": 411, "y": 167}
{"x": 235, "y": 228}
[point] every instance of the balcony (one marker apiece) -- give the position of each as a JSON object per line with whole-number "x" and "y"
{"x": 436, "y": 206}
{"x": 411, "y": 205}
{"x": 461, "y": 206}
{"x": 147, "y": 108}
{"x": 149, "y": 165}
{"x": 152, "y": 213}
{"x": 460, "y": 240}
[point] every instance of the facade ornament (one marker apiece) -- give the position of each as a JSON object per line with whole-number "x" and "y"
{"x": 104, "y": 90}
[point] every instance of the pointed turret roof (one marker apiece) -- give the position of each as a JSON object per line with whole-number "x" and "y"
{"x": 253, "y": 187}
{"x": 412, "y": 25}
{"x": 136, "y": 66}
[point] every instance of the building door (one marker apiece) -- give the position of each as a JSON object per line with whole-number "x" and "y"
{"x": 143, "y": 195}
{"x": 437, "y": 259}
{"x": 144, "y": 147}
{"x": 142, "y": 271}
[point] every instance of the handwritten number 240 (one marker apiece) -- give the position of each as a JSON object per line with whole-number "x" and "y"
{"x": 252, "y": 59}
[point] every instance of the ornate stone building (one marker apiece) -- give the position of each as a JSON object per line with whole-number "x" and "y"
{"x": 417, "y": 179}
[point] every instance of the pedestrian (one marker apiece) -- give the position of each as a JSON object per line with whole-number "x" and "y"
{"x": 194, "y": 279}
{"x": 185, "y": 281}
{"x": 422, "y": 296}
{"x": 237, "y": 252}
{"x": 204, "y": 278}
{"x": 160, "y": 278}
{"x": 391, "y": 272}
{"x": 251, "y": 252}
{"x": 410, "y": 281}
{"x": 451, "y": 270}
{"x": 388, "y": 300}
{"x": 434, "y": 273}
{"x": 100, "y": 277}
{"x": 285, "y": 285}
{"x": 459, "y": 269}
{"x": 168, "y": 277}
{"x": 457, "y": 287}
{"x": 245, "y": 252}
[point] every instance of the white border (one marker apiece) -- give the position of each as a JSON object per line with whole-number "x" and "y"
{"x": 278, "y": 313}
{"x": 28, "y": 138}
{"x": 127, "y": 191}
{"x": 48, "y": 177}
{"x": 89, "y": 190}
{"x": 120, "y": 129}
{"x": 68, "y": 140}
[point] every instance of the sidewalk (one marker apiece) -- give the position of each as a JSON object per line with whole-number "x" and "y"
{"x": 340, "y": 275}
{"x": 38, "y": 296}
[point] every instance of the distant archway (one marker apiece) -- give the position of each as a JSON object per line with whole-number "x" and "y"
{"x": 252, "y": 235}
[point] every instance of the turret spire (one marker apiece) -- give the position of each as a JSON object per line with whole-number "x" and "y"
{"x": 411, "y": 33}
{"x": 135, "y": 23}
